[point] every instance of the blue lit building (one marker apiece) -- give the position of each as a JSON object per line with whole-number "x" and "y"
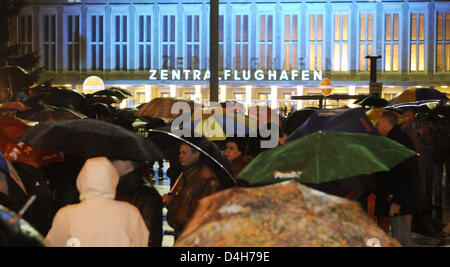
{"x": 302, "y": 41}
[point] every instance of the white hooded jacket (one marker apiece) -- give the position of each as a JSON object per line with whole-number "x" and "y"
{"x": 98, "y": 220}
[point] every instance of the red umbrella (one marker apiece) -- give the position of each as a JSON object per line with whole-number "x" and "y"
{"x": 10, "y": 130}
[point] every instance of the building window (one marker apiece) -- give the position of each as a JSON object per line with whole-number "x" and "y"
{"x": 241, "y": 42}
{"x": 96, "y": 42}
{"x": 193, "y": 42}
{"x": 417, "y": 55}
{"x": 443, "y": 42}
{"x": 291, "y": 42}
{"x": 25, "y": 35}
{"x": 340, "y": 50}
{"x": 265, "y": 43}
{"x": 391, "y": 42}
{"x": 315, "y": 42}
{"x": 49, "y": 42}
{"x": 221, "y": 43}
{"x": 120, "y": 43}
{"x": 366, "y": 40}
{"x": 168, "y": 41}
{"x": 145, "y": 43}
{"x": 73, "y": 42}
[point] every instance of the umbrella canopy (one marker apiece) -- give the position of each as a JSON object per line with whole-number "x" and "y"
{"x": 417, "y": 96}
{"x": 374, "y": 113}
{"x": 97, "y": 110}
{"x": 10, "y": 130}
{"x": 324, "y": 157}
{"x": 105, "y": 99}
{"x": 169, "y": 143}
{"x": 341, "y": 120}
{"x": 219, "y": 126}
{"x": 112, "y": 92}
{"x": 51, "y": 113}
{"x": 296, "y": 119}
{"x": 91, "y": 138}
{"x": 16, "y": 232}
{"x": 19, "y": 106}
{"x": 162, "y": 108}
{"x": 282, "y": 215}
{"x": 15, "y": 77}
{"x": 372, "y": 101}
{"x": 123, "y": 91}
{"x": 62, "y": 98}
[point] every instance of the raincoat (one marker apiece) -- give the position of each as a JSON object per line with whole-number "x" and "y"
{"x": 98, "y": 220}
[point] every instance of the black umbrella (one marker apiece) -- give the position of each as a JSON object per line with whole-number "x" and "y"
{"x": 97, "y": 110}
{"x": 15, "y": 77}
{"x": 91, "y": 138}
{"x": 50, "y": 113}
{"x": 112, "y": 92}
{"x": 124, "y": 91}
{"x": 372, "y": 100}
{"x": 62, "y": 98}
{"x": 170, "y": 142}
{"x": 296, "y": 119}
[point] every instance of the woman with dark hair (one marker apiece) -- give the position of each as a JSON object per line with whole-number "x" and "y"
{"x": 235, "y": 151}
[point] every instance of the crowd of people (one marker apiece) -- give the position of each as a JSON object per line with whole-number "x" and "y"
{"x": 109, "y": 202}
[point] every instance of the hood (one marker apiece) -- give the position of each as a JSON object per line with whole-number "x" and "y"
{"x": 98, "y": 177}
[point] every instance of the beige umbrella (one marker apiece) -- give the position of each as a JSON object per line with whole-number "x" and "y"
{"x": 281, "y": 215}
{"x": 162, "y": 108}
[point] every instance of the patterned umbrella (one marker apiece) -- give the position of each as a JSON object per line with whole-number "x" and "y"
{"x": 162, "y": 108}
{"x": 417, "y": 97}
{"x": 281, "y": 215}
{"x": 10, "y": 131}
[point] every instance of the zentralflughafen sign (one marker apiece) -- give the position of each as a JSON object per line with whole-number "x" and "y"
{"x": 236, "y": 75}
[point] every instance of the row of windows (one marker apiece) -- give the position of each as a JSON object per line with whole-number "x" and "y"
{"x": 240, "y": 53}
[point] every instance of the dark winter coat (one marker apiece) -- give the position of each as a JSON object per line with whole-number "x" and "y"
{"x": 401, "y": 182}
{"x": 239, "y": 163}
{"x": 134, "y": 189}
{"x": 196, "y": 182}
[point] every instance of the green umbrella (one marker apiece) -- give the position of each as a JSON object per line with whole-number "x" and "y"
{"x": 324, "y": 157}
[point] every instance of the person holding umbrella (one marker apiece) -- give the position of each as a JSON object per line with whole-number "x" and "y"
{"x": 197, "y": 180}
{"x": 396, "y": 193}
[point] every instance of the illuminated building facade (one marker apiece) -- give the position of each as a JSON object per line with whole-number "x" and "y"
{"x": 124, "y": 42}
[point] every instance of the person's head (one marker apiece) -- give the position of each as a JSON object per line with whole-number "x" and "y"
{"x": 123, "y": 166}
{"x": 386, "y": 122}
{"x": 233, "y": 150}
{"x": 410, "y": 115}
{"x": 188, "y": 155}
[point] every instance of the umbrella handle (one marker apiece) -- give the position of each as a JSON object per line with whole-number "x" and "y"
{"x": 25, "y": 207}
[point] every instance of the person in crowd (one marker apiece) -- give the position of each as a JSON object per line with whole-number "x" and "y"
{"x": 136, "y": 189}
{"x": 98, "y": 220}
{"x": 197, "y": 180}
{"x": 235, "y": 151}
{"x": 396, "y": 192}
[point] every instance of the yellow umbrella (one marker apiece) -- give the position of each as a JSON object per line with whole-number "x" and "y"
{"x": 374, "y": 114}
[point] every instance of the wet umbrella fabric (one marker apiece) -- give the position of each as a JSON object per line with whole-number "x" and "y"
{"x": 417, "y": 96}
{"x": 10, "y": 130}
{"x": 170, "y": 142}
{"x": 341, "y": 120}
{"x": 51, "y": 113}
{"x": 91, "y": 138}
{"x": 282, "y": 215}
{"x": 14, "y": 77}
{"x": 62, "y": 98}
{"x": 372, "y": 100}
{"x": 17, "y": 233}
{"x": 296, "y": 119}
{"x": 162, "y": 108}
{"x": 111, "y": 92}
{"x": 324, "y": 157}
